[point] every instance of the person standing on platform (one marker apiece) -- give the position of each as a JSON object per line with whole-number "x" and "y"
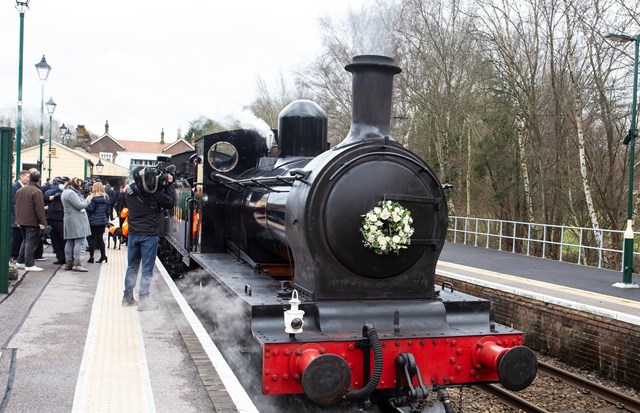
{"x": 148, "y": 198}
{"x": 46, "y": 186}
{"x": 55, "y": 217}
{"x": 121, "y": 203}
{"x": 76, "y": 223}
{"x": 30, "y": 216}
{"x": 112, "y": 199}
{"x": 39, "y": 252}
{"x": 16, "y": 235}
{"x": 99, "y": 212}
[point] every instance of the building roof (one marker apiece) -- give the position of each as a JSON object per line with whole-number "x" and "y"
{"x": 140, "y": 146}
{"x": 178, "y": 141}
{"x": 107, "y": 136}
{"x": 149, "y": 147}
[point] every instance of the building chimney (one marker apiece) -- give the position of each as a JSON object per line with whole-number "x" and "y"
{"x": 106, "y": 127}
{"x": 179, "y": 134}
{"x": 162, "y": 136}
{"x": 81, "y": 132}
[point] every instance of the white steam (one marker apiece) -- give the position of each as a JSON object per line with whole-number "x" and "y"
{"x": 373, "y": 29}
{"x": 231, "y": 118}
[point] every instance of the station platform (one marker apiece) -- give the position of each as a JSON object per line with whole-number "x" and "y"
{"x": 568, "y": 311}
{"x": 573, "y": 286}
{"x": 69, "y": 346}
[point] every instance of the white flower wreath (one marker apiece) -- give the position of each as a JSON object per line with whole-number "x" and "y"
{"x": 387, "y": 228}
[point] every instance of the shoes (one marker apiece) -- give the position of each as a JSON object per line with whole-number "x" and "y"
{"x": 19, "y": 266}
{"x": 147, "y": 305}
{"x": 78, "y": 267}
{"x": 90, "y": 260}
{"x": 102, "y": 259}
{"x": 129, "y": 302}
{"x": 40, "y": 259}
{"x": 58, "y": 262}
{"x": 33, "y": 268}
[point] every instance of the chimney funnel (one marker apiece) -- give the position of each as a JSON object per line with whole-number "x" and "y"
{"x": 372, "y": 86}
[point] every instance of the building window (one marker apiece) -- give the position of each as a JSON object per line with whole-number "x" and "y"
{"x": 143, "y": 162}
{"x": 106, "y": 156}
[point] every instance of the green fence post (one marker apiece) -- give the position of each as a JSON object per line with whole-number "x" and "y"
{"x": 6, "y": 153}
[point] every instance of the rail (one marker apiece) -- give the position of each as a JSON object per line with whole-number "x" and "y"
{"x": 601, "y": 248}
{"x": 620, "y": 400}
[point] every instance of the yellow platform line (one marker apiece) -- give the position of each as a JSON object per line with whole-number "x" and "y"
{"x": 114, "y": 375}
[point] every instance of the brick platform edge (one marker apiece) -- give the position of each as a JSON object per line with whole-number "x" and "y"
{"x": 581, "y": 339}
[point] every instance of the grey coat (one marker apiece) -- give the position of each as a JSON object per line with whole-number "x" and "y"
{"x": 76, "y": 223}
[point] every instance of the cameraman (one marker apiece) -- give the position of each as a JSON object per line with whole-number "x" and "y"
{"x": 147, "y": 198}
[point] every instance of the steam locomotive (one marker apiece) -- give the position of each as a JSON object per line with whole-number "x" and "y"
{"x": 322, "y": 314}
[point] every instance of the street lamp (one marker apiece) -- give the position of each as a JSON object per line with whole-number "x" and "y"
{"x": 63, "y": 131}
{"x": 22, "y": 7}
{"x": 43, "y": 73}
{"x": 51, "y": 107}
{"x": 630, "y": 139}
{"x": 67, "y": 136}
{"x": 99, "y": 166}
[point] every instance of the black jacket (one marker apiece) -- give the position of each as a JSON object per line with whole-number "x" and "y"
{"x": 14, "y": 188}
{"x": 99, "y": 211}
{"x": 55, "y": 211}
{"x": 146, "y": 210}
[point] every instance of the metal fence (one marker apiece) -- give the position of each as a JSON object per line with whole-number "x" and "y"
{"x": 597, "y": 248}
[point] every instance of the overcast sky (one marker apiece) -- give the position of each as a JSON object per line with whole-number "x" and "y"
{"x": 151, "y": 64}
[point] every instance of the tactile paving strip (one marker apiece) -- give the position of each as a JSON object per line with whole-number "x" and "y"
{"x": 114, "y": 375}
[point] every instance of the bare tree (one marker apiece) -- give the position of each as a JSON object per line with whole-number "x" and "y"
{"x": 521, "y": 104}
{"x": 268, "y": 105}
{"x": 569, "y": 11}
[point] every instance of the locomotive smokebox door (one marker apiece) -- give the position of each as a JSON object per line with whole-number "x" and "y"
{"x": 358, "y": 190}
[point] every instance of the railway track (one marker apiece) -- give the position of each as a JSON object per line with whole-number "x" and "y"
{"x": 511, "y": 399}
{"x": 585, "y": 386}
{"x": 614, "y": 397}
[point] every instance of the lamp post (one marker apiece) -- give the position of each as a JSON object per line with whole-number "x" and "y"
{"x": 43, "y": 73}
{"x": 67, "y": 136}
{"x": 63, "y": 132}
{"x": 51, "y": 107}
{"x": 22, "y": 7}
{"x": 630, "y": 139}
{"x": 99, "y": 166}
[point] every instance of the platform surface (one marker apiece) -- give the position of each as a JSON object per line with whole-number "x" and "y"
{"x": 69, "y": 346}
{"x": 572, "y": 285}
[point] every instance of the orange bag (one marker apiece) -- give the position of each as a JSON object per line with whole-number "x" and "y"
{"x": 124, "y": 212}
{"x": 125, "y": 227}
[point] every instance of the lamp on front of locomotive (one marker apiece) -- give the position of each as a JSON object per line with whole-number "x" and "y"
{"x": 293, "y": 317}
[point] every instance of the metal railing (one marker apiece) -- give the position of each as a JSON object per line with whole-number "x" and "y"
{"x": 600, "y": 248}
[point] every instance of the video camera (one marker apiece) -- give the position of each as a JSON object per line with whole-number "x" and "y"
{"x": 153, "y": 178}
